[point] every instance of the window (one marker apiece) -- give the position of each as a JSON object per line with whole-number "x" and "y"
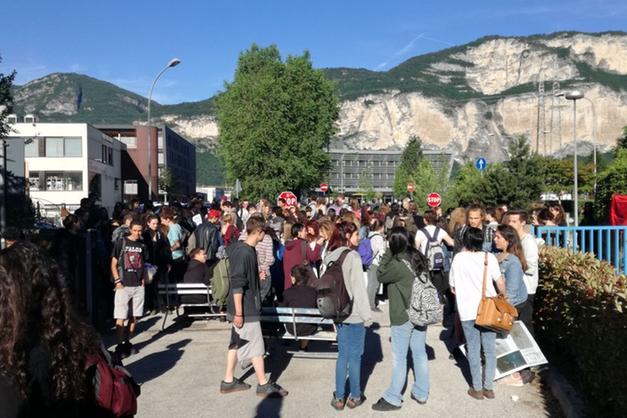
{"x": 73, "y": 147}
{"x": 130, "y": 141}
{"x": 54, "y": 147}
{"x": 110, "y": 154}
{"x": 31, "y": 149}
{"x": 55, "y": 181}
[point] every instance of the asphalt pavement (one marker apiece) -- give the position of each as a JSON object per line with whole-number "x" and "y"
{"x": 180, "y": 370}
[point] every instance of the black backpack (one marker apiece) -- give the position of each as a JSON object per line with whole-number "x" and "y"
{"x": 331, "y": 294}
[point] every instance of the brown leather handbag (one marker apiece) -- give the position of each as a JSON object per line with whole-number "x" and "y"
{"x": 494, "y": 313}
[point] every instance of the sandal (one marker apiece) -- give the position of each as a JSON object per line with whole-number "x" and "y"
{"x": 354, "y": 403}
{"x": 337, "y": 404}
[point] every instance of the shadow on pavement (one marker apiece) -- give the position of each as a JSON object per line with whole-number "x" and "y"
{"x": 456, "y": 355}
{"x": 269, "y": 408}
{"x": 156, "y": 364}
{"x": 373, "y": 354}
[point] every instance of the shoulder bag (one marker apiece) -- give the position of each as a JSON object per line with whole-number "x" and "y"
{"x": 494, "y": 313}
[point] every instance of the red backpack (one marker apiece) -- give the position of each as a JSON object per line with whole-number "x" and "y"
{"x": 331, "y": 294}
{"x": 115, "y": 389}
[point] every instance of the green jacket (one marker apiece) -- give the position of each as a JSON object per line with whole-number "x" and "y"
{"x": 393, "y": 272}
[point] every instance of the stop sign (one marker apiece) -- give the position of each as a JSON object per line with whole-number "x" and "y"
{"x": 434, "y": 200}
{"x": 411, "y": 187}
{"x": 290, "y": 199}
{"x": 324, "y": 187}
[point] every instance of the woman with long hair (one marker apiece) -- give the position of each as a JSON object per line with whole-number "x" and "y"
{"x": 513, "y": 266}
{"x": 466, "y": 281}
{"x": 351, "y": 332}
{"x": 399, "y": 266}
{"x": 43, "y": 345}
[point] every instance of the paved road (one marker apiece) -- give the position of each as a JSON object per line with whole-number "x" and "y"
{"x": 180, "y": 371}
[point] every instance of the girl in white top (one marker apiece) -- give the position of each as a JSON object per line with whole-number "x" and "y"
{"x": 421, "y": 239}
{"x": 466, "y": 281}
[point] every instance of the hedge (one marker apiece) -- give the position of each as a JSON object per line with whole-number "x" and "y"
{"x": 581, "y": 321}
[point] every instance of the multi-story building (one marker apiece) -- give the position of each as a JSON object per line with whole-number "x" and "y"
{"x": 168, "y": 151}
{"x": 349, "y": 166}
{"x": 65, "y": 162}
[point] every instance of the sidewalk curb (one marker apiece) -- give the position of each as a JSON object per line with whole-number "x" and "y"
{"x": 565, "y": 393}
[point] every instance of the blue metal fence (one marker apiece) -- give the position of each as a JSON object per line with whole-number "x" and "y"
{"x": 605, "y": 242}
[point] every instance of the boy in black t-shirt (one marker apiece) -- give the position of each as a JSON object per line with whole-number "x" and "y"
{"x": 127, "y": 267}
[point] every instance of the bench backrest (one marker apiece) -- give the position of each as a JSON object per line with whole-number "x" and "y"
{"x": 294, "y": 316}
{"x": 184, "y": 288}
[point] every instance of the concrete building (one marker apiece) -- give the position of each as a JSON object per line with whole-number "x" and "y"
{"x": 348, "y": 166}
{"x": 65, "y": 162}
{"x": 169, "y": 150}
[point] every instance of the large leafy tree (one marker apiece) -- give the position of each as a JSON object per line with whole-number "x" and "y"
{"x": 275, "y": 121}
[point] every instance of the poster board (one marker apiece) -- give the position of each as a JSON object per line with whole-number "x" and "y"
{"x": 515, "y": 352}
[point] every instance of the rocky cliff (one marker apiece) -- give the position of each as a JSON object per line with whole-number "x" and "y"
{"x": 469, "y": 100}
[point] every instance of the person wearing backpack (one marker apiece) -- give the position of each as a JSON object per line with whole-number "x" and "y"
{"x": 351, "y": 331}
{"x": 429, "y": 242}
{"x": 243, "y": 311}
{"x": 43, "y": 369}
{"x": 378, "y": 245}
{"x": 398, "y": 269}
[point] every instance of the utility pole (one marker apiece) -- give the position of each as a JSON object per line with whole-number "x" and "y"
{"x": 541, "y": 119}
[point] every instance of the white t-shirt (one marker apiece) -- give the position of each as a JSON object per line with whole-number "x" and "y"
{"x": 421, "y": 239}
{"x": 466, "y": 276}
{"x": 530, "y": 250}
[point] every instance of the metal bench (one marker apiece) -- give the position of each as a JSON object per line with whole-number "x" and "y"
{"x": 290, "y": 317}
{"x": 198, "y": 289}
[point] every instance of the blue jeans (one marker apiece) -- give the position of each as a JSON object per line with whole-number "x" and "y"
{"x": 477, "y": 338}
{"x": 406, "y": 337}
{"x": 350, "y": 347}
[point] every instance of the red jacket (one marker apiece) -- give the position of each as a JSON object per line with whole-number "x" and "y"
{"x": 297, "y": 251}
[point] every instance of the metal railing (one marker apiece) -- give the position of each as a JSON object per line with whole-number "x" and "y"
{"x": 605, "y": 242}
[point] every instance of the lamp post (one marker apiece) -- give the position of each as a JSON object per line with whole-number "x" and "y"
{"x": 574, "y": 96}
{"x": 594, "y": 142}
{"x": 173, "y": 63}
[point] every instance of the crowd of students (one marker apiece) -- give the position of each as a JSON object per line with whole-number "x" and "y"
{"x": 278, "y": 253}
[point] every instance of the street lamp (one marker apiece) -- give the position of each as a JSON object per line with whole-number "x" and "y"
{"x": 574, "y": 96}
{"x": 173, "y": 63}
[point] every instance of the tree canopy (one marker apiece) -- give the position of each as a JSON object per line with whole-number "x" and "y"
{"x": 275, "y": 121}
{"x": 6, "y": 100}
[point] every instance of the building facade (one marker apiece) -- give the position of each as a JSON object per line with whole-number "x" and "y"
{"x": 349, "y": 167}
{"x": 168, "y": 151}
{"x": 65, "y": 162}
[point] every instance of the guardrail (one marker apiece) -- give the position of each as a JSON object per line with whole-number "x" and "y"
{"x": 605, "y": 242}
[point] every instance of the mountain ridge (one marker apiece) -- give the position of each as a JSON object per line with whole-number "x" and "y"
{"x": 467, "y": 99}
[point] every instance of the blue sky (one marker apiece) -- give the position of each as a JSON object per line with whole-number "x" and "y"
{"x": 128, "y": 42}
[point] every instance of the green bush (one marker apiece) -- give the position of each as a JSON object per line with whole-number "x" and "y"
{"x": 580, "y": 318}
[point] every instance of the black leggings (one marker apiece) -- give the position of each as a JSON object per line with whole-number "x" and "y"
{"x": 525, "y": 313}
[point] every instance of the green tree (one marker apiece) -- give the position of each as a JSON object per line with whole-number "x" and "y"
{"x": 365, "y": 185}
{"x": 408, "y": 166}
{"x": 167, "y": 182}
{"x": 621, "y": 142}
{"x": 275, "y": 121}
{"x": 6, "y": 100}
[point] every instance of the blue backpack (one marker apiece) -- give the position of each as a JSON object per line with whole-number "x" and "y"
{"x": 365, "y": 252}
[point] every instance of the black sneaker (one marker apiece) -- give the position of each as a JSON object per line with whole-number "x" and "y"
{"x": 271, "y": 390}
{"x": 120, "y": 351}
{"x": 130, "y": 349}
{"x": 418, "y": 400}
{"x": 235, "y": 386}
{"x": 383, "y": 405}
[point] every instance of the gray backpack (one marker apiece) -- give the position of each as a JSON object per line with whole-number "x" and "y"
{"x": 424, "y": 304}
